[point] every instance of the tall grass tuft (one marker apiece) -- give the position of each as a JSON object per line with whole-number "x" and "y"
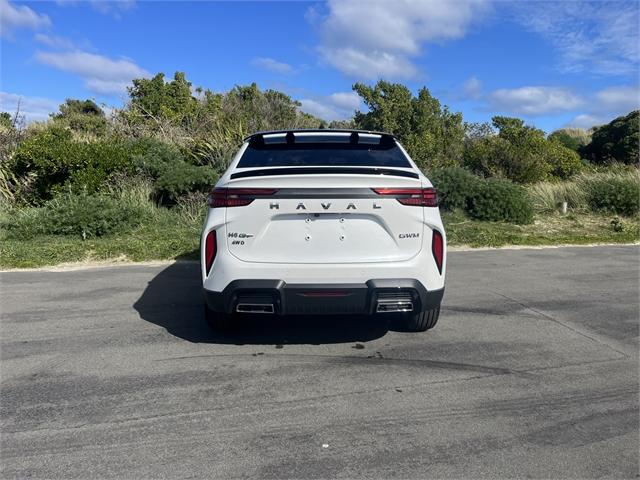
{"x": 616, "y": 191}
{"x": 134, "y": 192}
{"x": 192, "y": 208}
{"x": 547, "y": 197}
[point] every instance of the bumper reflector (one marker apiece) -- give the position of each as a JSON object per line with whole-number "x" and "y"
{"x": 437, "y": 248}
{"x": 210, "y": 247}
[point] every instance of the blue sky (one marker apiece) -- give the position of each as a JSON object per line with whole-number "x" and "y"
{"x": 554, "y": 64}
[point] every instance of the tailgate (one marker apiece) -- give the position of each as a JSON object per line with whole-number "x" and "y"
{"x": 345, "y": 221}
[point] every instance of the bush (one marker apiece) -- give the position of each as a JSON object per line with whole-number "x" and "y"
{"x": 72, "y": 214}
{"x": 183, "y": 178}
{"x": 156, "y": 156}
{"x": 616, "y": 141}
{"x": 501, "y": 200}
{"x": 564, "y": 162}
{"x": 455, "y": 187}
{"x": 173, "y": 176}
{"x": 520, "y": 153}
{"x": 53, "y": 160}
{"x": 48, "y": 157}
{"x": 613, "y": 192}
{"x": 499, "y": 157}
{"x": 82, "y": 116}
{"x": 573, "y": 138}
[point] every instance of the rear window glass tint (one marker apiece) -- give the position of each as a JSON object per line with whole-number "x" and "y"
{"x": 323, "y": 154}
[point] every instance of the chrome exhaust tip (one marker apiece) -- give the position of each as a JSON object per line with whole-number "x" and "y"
{"x": 391, "y": 306}
{"x": 255, "y": 308}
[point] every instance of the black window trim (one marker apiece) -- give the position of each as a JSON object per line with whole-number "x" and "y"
{"x": 262, "y": 172}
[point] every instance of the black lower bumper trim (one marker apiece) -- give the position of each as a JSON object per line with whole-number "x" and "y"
{"x": 321, "y": 299}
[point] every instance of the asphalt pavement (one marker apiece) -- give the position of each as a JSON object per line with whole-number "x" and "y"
{"x": 532, "y": 371}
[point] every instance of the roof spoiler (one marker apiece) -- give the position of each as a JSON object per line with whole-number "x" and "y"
{"x": 257, "y": 139}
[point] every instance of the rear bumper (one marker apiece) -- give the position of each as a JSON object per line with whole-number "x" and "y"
{"x": 320, "y": 299}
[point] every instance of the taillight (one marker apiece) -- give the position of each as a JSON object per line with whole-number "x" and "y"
{"x": 236, "y": 197}
{"x": 209, "y": 250}
{"x": 437, "y": 248}
{"x": 417, "y": 197}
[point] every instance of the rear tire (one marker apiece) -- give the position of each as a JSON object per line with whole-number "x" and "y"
{"x": 422, "y": 321}
{"x": 217, "y": 320}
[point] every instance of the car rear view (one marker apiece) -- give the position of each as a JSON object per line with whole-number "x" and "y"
{"x": 323, "y": 222}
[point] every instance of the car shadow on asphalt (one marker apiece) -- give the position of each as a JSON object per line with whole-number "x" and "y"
{"x": 173, "y": 300}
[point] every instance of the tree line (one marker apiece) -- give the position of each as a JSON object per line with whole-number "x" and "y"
{"x": 182, "y": 136}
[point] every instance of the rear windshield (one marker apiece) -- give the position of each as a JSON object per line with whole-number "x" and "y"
{"x": 323, "y": 154}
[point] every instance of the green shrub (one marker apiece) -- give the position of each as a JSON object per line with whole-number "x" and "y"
{"x": 154, "y": 157}
{"x": 455, "y": 187}
{"x": 56, "y": 162}
{"x": 183, "y": 178}
{"x": 616, "y": 141}
{"x": 501, "y": 200}
{"x": 520, "y": 153}
{"x": 82, "y": 116}
{"x": 74, "y": 214}
{"x": 564, "y": 162}
{"x": 48, "y": 157}
{"x": 613, "y": 192}
{"x": 173, "y": 175}
{"x": 573, "y": 138}
{"x": 499, "y": 157}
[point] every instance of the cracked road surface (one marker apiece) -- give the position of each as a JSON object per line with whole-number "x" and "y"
{"x": 532, "y": 371}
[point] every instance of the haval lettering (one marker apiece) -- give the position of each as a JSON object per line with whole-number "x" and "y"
{"x": 323, "y": 222}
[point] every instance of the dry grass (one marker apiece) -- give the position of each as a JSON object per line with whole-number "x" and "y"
{"x": 547, "y": 197}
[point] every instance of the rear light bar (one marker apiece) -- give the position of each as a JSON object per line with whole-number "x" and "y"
{"x": 437, "y": 248}
{"x": 236, "y": 197}
{"x": 417, "y": 197}
{"x": 210, "y": 248}
{"x": 326, "y": 293}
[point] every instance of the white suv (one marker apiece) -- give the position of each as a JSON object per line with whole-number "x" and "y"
{"x": 323, "y": 222}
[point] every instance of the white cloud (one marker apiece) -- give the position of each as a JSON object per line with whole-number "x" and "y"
{"x": 619, "y": 98}
{"x": 594, "y": 108}
{"x": 108, "y": 87}
{"x": 54, "y": 42}
{"x": 472, "y": 88}
{"x": 534, "y": 101}
{"x": 607, "y": 104}
{"x": 377, "y": 38}
{"x": 107, "y": 7}
{"x": 112, "y": 7}
{"x": 101, "y": 74}
{"x": 32, "y": 108}
{"x": 318, "y": 109}
{"x": 345, "y": 100}
{"x": 587, "y": 121}
{"x": 13, "y": 17}
{"x": 337, "y": 106}
{"x": 369, "y": 65}
{"x": 273, "y": 65}
{"x": 594, "y": 37}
